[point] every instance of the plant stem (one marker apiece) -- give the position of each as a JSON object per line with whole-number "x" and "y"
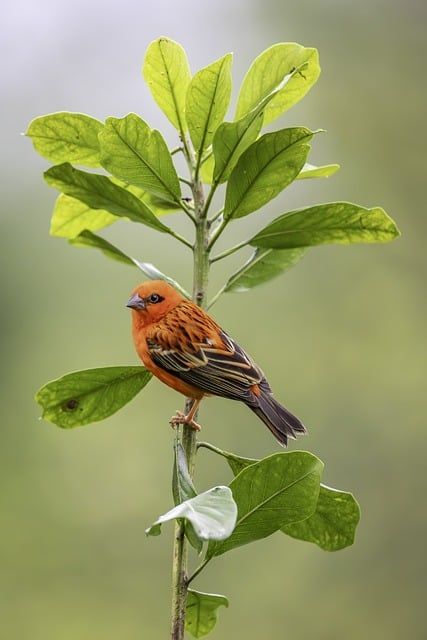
{"x": 189, "y": 441}
{"x": 229, "y": 252}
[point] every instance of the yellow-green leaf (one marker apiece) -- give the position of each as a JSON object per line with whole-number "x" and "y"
{"x": 167, "y": 73}
{"x": 201, "y": 612}
{"x": 67, "y": 137}
{"x": 289, "y": 67}
{"x": 70, "y": 217}
{"x": 133, "y": 152}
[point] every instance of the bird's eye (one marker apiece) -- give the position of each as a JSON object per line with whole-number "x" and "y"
{"x": 154, "y": 298}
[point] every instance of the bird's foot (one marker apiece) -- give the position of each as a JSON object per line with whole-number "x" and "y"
{"x": 181, "y": 418}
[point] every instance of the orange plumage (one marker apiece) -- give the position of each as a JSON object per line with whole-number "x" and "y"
{"x": 186, "y": 349}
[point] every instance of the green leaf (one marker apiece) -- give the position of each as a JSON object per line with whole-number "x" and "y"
{"x": 133, "y": 152}
{"x": 207, "y": 169}
{"x": 90, "y": 395}
{"x": 183, "y": 489}
{"x": 262, "y": 266}
{"x": 231, "y": 140}
{"x": 99, "y": 192}
{"x": 67, "y": 137}
{"x": 201, "y": 612}
{"x": 212, "y": 514}
{"x": 333, "y": 525}
{"x": 268, "y": 166}
{"x": 275, "y": 491}
{"x": 167, "y": 73}
{"x": 332, "y": 223}
{"x": 152, "y": 273}
{"x": 89, "y": 239}
{"x": 207, "y": 102}
{"x": 297, "y": 64}
{"x": 182, "y": 484}
{"x": 71, "y": 217}
{"x": 311, "y": 171}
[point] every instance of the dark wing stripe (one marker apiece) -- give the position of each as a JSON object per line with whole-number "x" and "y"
{"x": 230, "y": 374}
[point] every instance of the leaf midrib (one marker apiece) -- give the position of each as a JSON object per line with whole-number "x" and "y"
{"x": 102, "y": 386}
{"x": 251, "y": 185}
{"x": 145, "y": 163}
{"x": 180, "y": 123}
{"x": 205, "y": 130}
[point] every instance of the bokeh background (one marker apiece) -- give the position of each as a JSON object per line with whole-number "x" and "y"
{"x": 341, "y": 336}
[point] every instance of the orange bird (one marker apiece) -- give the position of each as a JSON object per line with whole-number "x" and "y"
{"x": 185, "y": 348}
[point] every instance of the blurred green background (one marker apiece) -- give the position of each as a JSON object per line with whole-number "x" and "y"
{"x": 340, "y": 336}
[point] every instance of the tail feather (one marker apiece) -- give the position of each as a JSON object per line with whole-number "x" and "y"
{"x": 281, "y": 422}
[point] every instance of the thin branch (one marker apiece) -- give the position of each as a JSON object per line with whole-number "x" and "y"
{"x": 180, "y": 238}
{"x": 185, "y": 181}
{"x": 217, "y": 215}
{"x": 229, "y": 252}
{"x": 216, "y": 298}
{"x": 176, "y": 150}
{"x": 198, "y": 570}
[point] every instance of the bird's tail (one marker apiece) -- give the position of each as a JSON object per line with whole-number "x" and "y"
{"x": 281, "y": 422}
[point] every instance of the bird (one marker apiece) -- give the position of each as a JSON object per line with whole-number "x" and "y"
{"x": 183, "y": 346}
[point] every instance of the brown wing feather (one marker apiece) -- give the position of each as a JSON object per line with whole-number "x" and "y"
{"x": 191, "y": 346}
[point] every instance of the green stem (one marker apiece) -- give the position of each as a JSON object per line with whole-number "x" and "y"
{"x": 229, "y": 252}
{"x": 189, "y": 440}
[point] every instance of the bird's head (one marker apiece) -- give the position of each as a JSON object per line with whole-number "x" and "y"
{"x": 153, "y": 299}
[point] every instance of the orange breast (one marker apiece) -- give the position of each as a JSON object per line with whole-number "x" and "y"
{"x": 166, "y": 377}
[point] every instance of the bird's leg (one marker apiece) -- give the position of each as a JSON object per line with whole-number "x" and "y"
{"x": 181, "y": 418}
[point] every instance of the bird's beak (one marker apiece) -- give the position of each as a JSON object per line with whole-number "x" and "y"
{"x": 136, "y": 302}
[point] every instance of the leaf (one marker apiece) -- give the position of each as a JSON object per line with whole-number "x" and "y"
{"x": 70, "y": 217}
{"x": 89, "y": 239}
{"x": 167, "y": 74}
{"x": 207, "y": 102}
{"x": 207, "y": 169}
{"x": 67, "y": 137}
{"x": 268, "y": 166}
{"x": 332, "y": 526}
{"x": 332, "y": 223}
{"x": 183, "y": 489}
{"x": 90, "y": 395}
{"x": 99, "y": 192}
{"x": 262, "y": 266}
{"x": 231, "y": 140}
{"x": 275, "y": 491}
{"x": 133, "y": 152}
{"x": 201, "y": 612}
{"x": 297, "y": 64}
{"x": 182, "y": 484}
{"x": 152, "y": 273}
{"x": 212, "y": 514}
{"x": 311, "y": 171}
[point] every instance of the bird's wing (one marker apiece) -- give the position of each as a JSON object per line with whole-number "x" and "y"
{"x": 211, "y": 361}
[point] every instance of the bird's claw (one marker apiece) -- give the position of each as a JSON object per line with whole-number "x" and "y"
{"x": 181, "y": 418}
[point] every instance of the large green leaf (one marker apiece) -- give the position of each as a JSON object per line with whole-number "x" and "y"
{"x": 262, "y": 266}
{"x": 201, "y": 612}
{"x": 89, "y": 239}
{"x": 275, "y": 491}
{"x": 67, "y": 137}
{"x": 311, "y": 171}
{"x": 268, "y": 166}
{"x": 297, "y": 64}
{"x": 70, "y": 217}
{"x": 167, "y": 73}
{"x": 335, "y": 222}
{"x": 333, "y": 525}
{"x": 90, "y": 395}
{"x": 231, "y": 140}
{"x": 99, "y": 192}
{"x": 207, "y": 102}
{"x": 133, "y": 152}
{"x": 211, "y": 513}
